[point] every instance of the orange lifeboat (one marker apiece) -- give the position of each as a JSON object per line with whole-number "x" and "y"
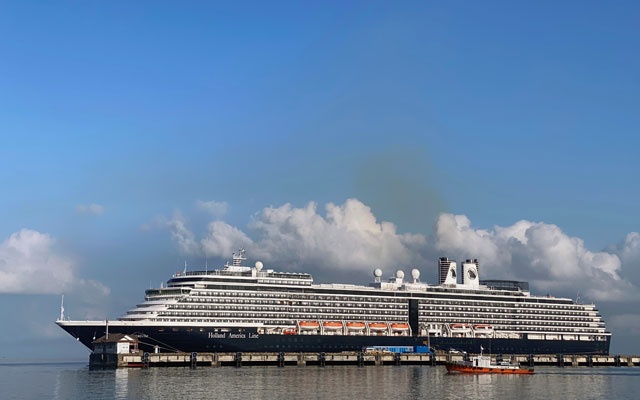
{"x": 460, "y": 327}
{"x": 400, "y": 326}
{"x": 332, "y": 325}
{"x": 355, "y": 326}
{"x": 378, "y": 326}
{"x": 308, "y": 325}
{"x": 289, "y": 331}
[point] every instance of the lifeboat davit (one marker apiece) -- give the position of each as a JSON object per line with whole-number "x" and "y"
{"x": 483, "y": 328}
{"x": 460, "y": 327}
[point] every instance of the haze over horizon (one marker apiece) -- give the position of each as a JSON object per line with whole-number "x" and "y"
{"x": 329, "y": 138}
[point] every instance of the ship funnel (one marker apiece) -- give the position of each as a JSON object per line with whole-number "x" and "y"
{"x": 452, "y": 274}
{"x": 470, "y": 274}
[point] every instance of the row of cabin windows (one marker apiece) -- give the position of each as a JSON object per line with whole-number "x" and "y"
{"x": 502, "y": 306}
{"x": 300, "y": 297}
{"x": 233, "y": 302}
{"x": 497, "y": 324}
{"x": 509, "y": 317}
{"x": 476, "y": 308}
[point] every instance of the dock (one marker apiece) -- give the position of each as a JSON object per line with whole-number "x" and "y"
{"x": 361, "y": 359}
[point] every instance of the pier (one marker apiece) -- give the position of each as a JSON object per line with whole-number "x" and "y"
{"x": 361, "y": 359}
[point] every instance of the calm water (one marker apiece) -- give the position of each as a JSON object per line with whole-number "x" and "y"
{"x": 75, "y": 381}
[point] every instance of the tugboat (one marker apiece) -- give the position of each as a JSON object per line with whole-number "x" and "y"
{"x": 482, "y": 365}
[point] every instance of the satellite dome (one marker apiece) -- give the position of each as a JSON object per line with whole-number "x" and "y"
{"x": 415, "y": 274}
{"x": 259, "y": 265}
{"x": 377, "y": 272}
{"x": 399, "y": 274}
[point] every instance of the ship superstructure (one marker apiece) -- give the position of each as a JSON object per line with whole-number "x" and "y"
{"x": 242, "y": 308}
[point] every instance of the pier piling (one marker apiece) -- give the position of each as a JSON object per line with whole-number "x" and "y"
{"x": 360, "y": 359}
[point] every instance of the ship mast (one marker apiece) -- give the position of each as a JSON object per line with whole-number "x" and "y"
{"x": 62, "y": 309}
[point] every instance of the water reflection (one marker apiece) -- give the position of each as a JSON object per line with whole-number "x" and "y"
{"x": 335, "y": 382}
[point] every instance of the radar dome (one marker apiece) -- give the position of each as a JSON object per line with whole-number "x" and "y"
{"x": 259, "y": 265}
{"x": 377, "y": 272}
{"x": 415, "y": 274}
{"x": 399, "y": 274}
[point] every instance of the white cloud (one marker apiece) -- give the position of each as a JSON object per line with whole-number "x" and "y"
{"x": 94, "y": 209}
{"x": 223, "y": 239}
{"x": 539, "y": 252}
{"x": 629, "y": 253}
{"x": 182, "y": 235}
{"x": 216, "y": 209}
{"x": 349, "y": 238}
{"x": 29, "y": 264}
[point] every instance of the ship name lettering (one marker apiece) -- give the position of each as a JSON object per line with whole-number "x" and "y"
{"x": 216, "y": 335}
{"x": 237, "y": 336}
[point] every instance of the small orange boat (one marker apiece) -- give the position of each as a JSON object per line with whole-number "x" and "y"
{"x": 332, "y": 325}
{"x": 378, "y": 326}
{"x": 355, "y": 326}
{"x": 483, "y": 365}
{"x": 483, "y": 328}
{"x": 400, "y": 326}
{"x": 290, "y": 331}
{"x": 309, "y": 324}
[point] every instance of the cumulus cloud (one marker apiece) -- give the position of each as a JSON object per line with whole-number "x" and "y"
{"x": 223, "y": 239}
{"x": 182, "y": 235}
{"x": 29, "y": 264}
{"x": 345, "y": 237}
{"x": 216, "y": 209}
{"x": 629, "y": 253}
{"x": 541, "y": 253}
{"x": 349, "y": 238}
{"x": 94, "y": 209}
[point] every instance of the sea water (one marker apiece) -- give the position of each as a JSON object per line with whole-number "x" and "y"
{"x": 69, "y": 381}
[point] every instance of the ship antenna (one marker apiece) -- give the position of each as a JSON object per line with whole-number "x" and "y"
{"x": 62, "y": 309}
{"x": 185, "y": 267}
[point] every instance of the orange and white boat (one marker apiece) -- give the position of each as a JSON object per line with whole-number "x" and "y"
{"x": 355, "y": 326}
{"x": 460, "y": 329}
{"x": 400, "y": 326}
{"x": 483, "y": 365}
{"x": 332, "y": 325}
{"x": 378, "y": 327}
{"x": 289, "y": 331}
{"x": 309, "y": 325}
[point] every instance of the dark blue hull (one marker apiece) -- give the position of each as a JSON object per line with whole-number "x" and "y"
{"x": 186, "y": 339}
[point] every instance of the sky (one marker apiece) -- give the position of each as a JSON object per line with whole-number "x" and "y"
{"x": 326, "y": 137}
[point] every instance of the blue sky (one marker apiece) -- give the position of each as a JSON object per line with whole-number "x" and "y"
{"x": 135, "y": 136}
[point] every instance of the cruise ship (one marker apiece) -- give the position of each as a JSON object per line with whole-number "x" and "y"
{"x": 239, "y": 308}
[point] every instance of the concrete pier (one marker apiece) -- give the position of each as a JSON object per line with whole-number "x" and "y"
{"x": 360, "y": 359}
